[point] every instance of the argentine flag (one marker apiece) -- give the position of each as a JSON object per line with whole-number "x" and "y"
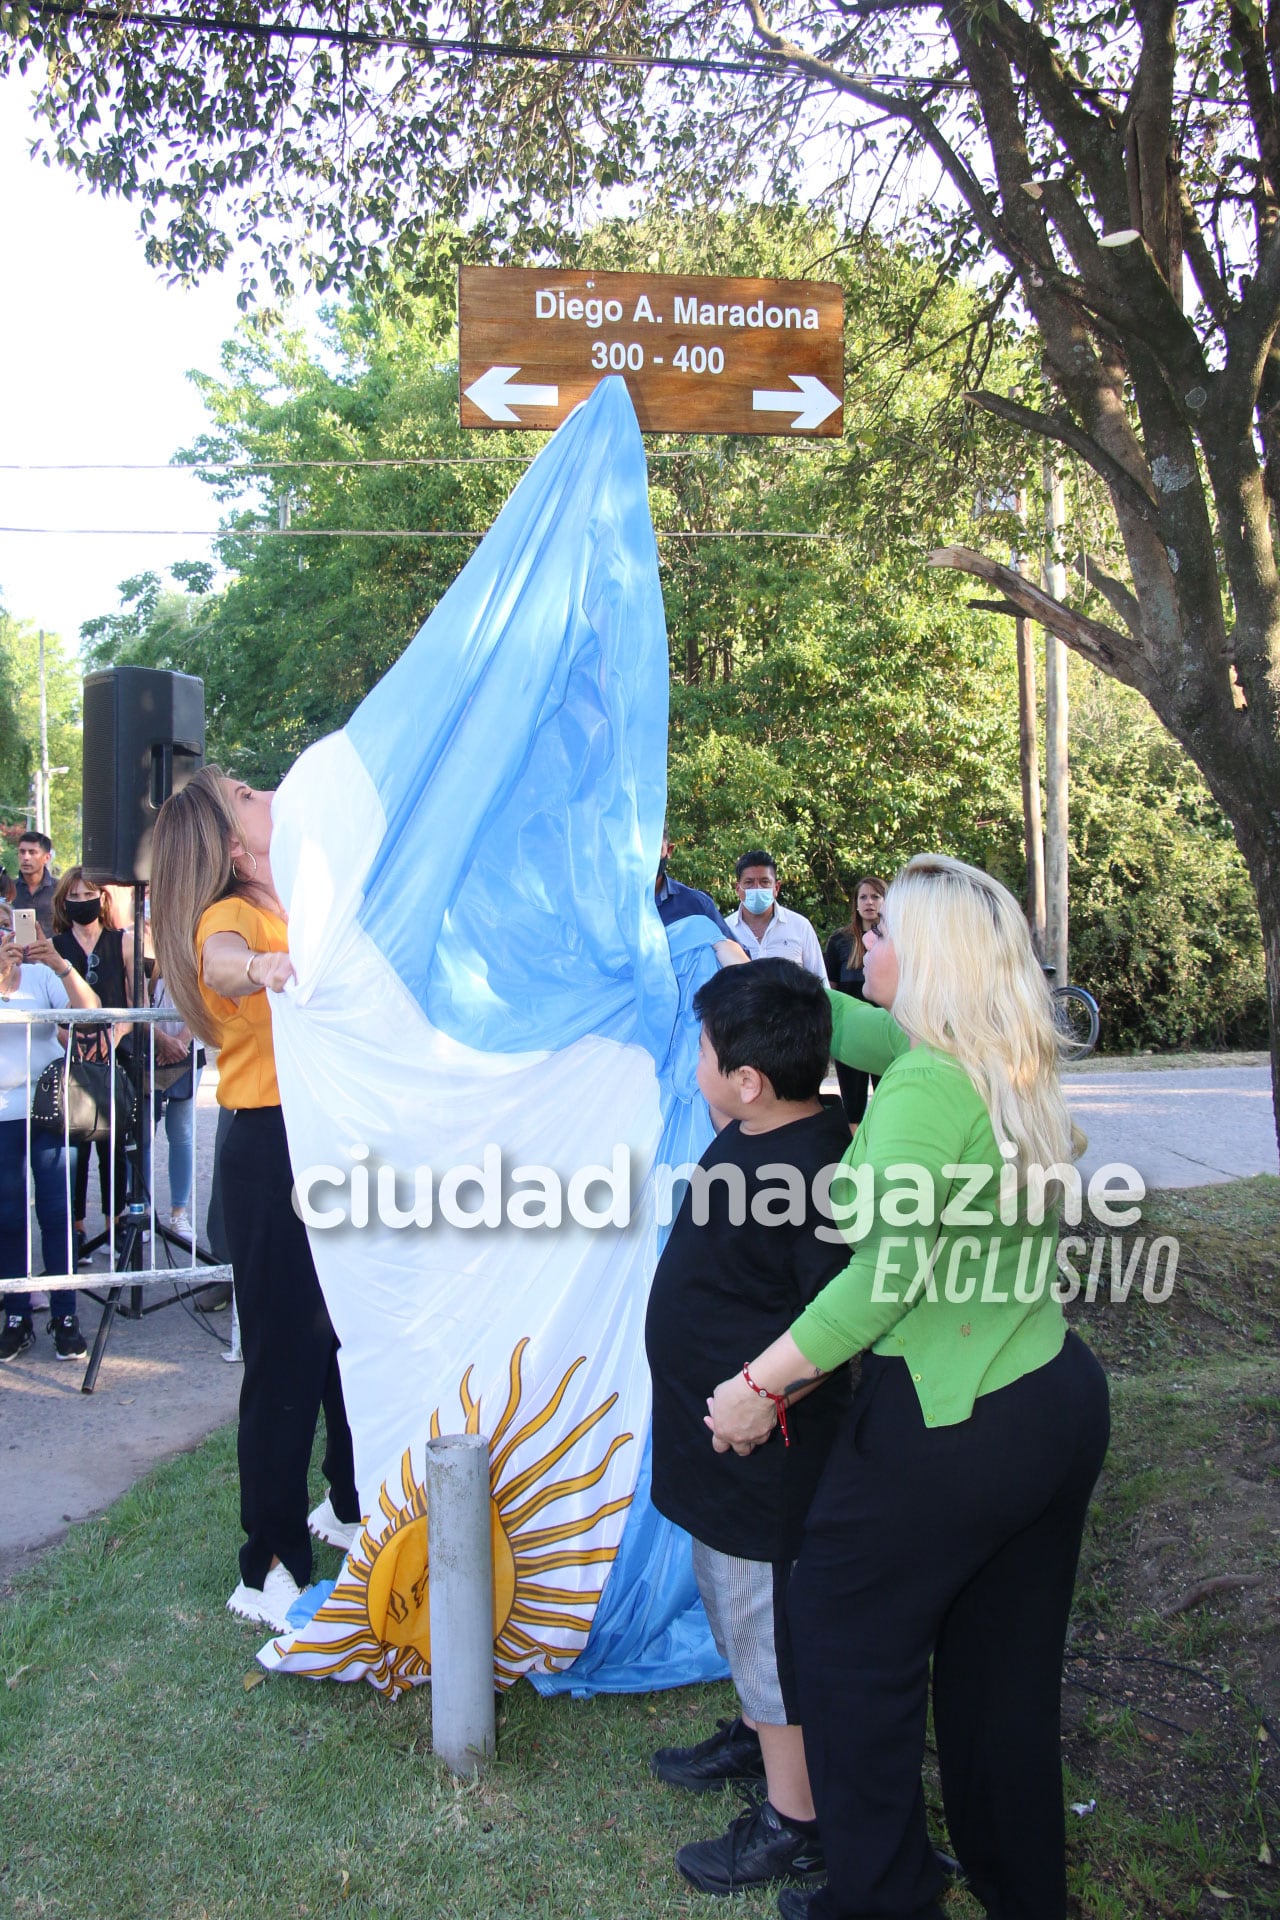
{"x": 479, "y": 1065}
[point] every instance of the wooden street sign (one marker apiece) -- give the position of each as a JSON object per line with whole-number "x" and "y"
{"x": 699, "y": 353}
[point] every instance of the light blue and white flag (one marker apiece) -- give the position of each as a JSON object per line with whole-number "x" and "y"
{"x": 477, "y": 1066}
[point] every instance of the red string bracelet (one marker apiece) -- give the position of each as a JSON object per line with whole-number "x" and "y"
{"x": 779, "y": 1400}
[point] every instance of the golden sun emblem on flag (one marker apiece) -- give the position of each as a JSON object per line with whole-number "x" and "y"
{"x": 381, "y": 1597}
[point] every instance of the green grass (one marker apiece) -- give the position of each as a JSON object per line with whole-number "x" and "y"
{"x": 1185, "y": 1060}
{"x": 142, "y": 1779}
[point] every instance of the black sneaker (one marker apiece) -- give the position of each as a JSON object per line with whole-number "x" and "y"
{"x": 17, "y": 1336}
{"x": 760, "y": 1849}
{"x": 731, "y": 1753}
{"x": 795, "y": 1903}
{"x": 68, "y": 1341}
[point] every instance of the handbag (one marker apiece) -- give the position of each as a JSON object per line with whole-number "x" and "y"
{"x": 166, "y": 1079}
{"x": 73, "y": 1098}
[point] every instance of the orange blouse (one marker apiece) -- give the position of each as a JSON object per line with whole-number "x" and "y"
{"x": 246, "y": 1058}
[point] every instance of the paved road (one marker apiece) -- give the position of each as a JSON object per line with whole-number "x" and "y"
{"x": 1178, "y": 1128}
{"x": 164, "y": 1384}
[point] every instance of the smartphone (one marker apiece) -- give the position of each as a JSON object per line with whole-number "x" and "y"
{"x": 25, "y": 930}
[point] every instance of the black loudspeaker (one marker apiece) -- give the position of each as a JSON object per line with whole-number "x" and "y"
{"x": 143, "y": 740}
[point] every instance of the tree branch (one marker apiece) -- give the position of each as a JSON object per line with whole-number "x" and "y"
{"x": 1052, "y": 427}
{"x": 1106, "y": 647}
{"x": 1149, "y": 143}
{"x": 1213, "y": 288}
{"x": 1058, "y": 93}
{"x": 1114, "y": 591}
{"x": 1250, "y": 44}
{"x": 900, "y": 107}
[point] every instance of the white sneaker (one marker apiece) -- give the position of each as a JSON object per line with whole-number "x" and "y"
{"x": 180, "y": 1222}
{"x": 268, "y": 1604}
{"x": 326, "y": 1526}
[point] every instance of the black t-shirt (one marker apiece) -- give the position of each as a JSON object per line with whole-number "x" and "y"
{"x": 842, "y": 974}
{"x": 103, "y": 968}
{"x": 104, "y": 971}
{"x": 721, "y": 1294}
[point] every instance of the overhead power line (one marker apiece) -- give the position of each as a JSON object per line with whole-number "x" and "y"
{"x": 763, "y": 61}
{"x": 264, "y": 466}
{"x": 756, "y": 62}
{"x": 379, "y": 533}
{"x": 282, "y": 466}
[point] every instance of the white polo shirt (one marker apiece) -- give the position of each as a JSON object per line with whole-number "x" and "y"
{"x": 788, "y": 936}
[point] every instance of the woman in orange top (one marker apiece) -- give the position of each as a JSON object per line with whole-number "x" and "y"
{"x": 223, "y": 947}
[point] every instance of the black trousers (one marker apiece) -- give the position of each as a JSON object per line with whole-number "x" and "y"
{"x": 80, "y": 1184}
{"x": 290, "y": 1353}
{"x": 855, "y": 1086}
{"x": 959, "y": 1543}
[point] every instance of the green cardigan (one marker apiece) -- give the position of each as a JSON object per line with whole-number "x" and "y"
{"x": 938, "y": 1278}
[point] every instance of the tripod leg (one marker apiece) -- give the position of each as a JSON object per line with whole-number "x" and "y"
{"x": 100, "y": 1340}
{"x": 128, "y": 1255}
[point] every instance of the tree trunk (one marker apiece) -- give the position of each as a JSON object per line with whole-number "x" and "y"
{"x": 1260, "y": 845}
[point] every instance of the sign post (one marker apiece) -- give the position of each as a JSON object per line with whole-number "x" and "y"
{"x": 699, "y": 353}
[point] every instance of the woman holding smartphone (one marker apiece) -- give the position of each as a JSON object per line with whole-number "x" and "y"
{"x": 33, "y": 977}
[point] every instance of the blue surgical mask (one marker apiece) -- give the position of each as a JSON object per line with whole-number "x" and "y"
{"x": 758, "y": 899}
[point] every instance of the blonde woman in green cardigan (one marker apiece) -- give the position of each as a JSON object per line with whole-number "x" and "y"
{"x": 947, "y": 1525}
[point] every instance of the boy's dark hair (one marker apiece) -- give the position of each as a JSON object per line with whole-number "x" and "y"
{"x": 41, "y": 840}
{"x": 756, "y": 858}
{"x": 771, "y": 1015}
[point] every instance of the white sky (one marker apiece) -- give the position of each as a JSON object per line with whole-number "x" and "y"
{"x": 94, "y": 350}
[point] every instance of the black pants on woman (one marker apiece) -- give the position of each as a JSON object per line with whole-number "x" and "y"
{"x": 290, "y": 1354}
{"x": 855, "y": 1085}
{"x": 958, "y": 1542}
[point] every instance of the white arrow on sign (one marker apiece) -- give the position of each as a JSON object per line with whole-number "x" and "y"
{"x": 495, "y": 396}
{"x": 819, "y": 401}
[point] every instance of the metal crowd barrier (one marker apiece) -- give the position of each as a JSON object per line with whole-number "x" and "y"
{"x": 131, "y": 1257}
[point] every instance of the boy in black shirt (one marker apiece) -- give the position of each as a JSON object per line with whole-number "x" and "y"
{"x": 749, "y": 1249}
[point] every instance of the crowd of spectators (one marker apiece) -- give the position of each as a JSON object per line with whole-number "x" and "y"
{"x": 858, "y": 1540}
{"x": 80, "y": 956}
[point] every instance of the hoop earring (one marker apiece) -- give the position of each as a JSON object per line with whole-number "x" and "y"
{"x": 239, "y": 876}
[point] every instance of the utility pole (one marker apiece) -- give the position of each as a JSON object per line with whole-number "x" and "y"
{"x": 1029, "y": 759}
{"x": 1055, "y": 736}
{"x": 42, "y": 791}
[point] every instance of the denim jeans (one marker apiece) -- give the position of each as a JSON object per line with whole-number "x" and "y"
{"x": 180, "y": 1125}
{"x": 49, "y": 1172}
{"x": 179, "y": 1119}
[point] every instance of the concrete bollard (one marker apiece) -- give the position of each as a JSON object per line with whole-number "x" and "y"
{"x": 460, "y": 1600}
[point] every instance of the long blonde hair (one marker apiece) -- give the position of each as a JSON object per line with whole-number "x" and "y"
{"x": 970, "y": 985}
{"x": 191, "y": 867}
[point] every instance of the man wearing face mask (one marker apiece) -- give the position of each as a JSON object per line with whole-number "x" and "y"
{"x": 764, "y": 927}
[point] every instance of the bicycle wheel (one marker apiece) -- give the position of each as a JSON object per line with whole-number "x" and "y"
{"x": 1075, "y": 1015}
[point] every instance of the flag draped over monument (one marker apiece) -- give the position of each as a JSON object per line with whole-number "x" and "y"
{"x": 486, "y": 1011}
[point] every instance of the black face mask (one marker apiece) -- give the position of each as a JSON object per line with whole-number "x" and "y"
{"x": 662, "y": 869}
{"x": 83, "y": 913}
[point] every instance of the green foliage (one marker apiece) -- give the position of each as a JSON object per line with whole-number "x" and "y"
{"x": 15, "y": 770}
{"x": 832, "y": 698}
{"x": 1164, "y": 924}
{"x": 309, "y": 622}
{"x": 20, "y": 734}
{"x": 883, "y": 725}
